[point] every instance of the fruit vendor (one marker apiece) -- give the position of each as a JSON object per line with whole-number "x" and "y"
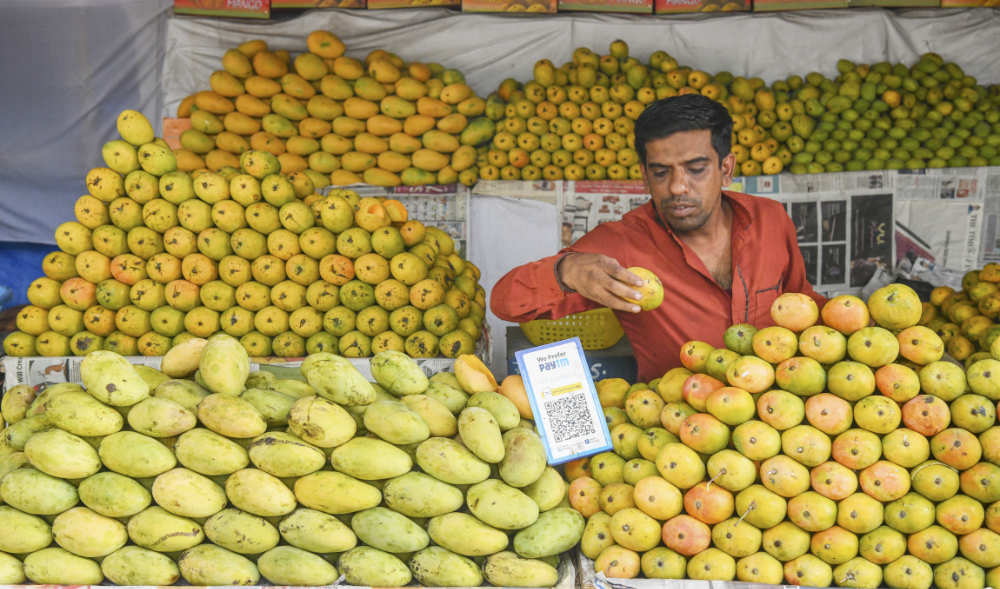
{"x": 722, "y": 256}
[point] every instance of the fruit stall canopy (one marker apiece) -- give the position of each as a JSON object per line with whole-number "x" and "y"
{"x": 73, "y": 65}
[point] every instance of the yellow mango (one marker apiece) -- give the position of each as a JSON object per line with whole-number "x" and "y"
{"x": 472, "y": 106}
{"x": 297, "y": 86}
{"x": 314, "y": 128}
{"x": 23, "y": 533}
{"x": 157, "y": 529}
{"x": 56, "y": 566}
{"x": 252, "y": 106}
{"x": 417, "y": 125}
{"x": 237, "y": 63}
{"x": 335, "y": 493}
{"x": 370, "y": 459}
{"x": 289, "y": 107}
{"x": 433, "y": 107}
{"x": 455, "y": 93}
{"x": 241, "y": 532}
{"x": 439, "y": 141}
{"x": 380, "y": 177}
{"x": 335, "y": 87}
{"x": 355, "y": 161}
{"x": 417, "y": 177}
{"x": 347, "y": 126}
{"x": 464, "y": 534}
{"x": 323, "y": 107}
{"x": 383, "y": 71}
{"x": 225, "y": 84}
{"x": 453, "y": 123}
{"x": 208, "y": 564}
{"x": 392, "y": 161}
{"x": 463, "y": 158}
{"x": 369, "y": 89}
{"x": 286, "y": 565}
{"x": 369, "y": 143}
{"x": 132, "y": 565}
{"x": 383, "y": 126}
{"x": 396, "y": 107}
{"x": 478, "y": 131}
{"x": 429, "y": 160}
{"x": 86, "y": 533}
{"x": 439, "y": 567}
{"x": 403, "y": 143}
{"x": 213, "y": 102}
{"x": 336, "y": 144}
{"x": 261, "y": 87}
{"x": 344, "y": 178}
{"x": 359, "y": 108}
{"x": 410, "y": 89}
{"x": 316, "y": 531}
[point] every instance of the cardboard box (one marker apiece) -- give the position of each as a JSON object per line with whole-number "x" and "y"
{"x": 675, "y": 6}
{"x": 540, "y": 6}
{"x": 299, "y": 4}
{"x": 772, "y": 5}
{"x": 629, "y": 6}
{"x": 379, "y": 4}
{"x": 172, "y": 129}
{"x": 226, "y": 8}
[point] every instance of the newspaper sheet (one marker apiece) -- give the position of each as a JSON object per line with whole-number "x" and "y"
{"x": 991, "y": 217}
{"x": 543, "y": 190}
{"x": 585, "y": 205}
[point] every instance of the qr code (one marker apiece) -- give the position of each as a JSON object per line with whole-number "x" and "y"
{"x": 569, "y": 418}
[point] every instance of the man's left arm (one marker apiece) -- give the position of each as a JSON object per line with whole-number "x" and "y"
{"x": 795, "y": 274}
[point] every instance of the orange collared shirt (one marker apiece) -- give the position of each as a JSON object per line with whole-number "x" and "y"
{"x": 766, "y": 262}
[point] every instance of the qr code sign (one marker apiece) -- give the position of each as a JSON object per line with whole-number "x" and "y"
{"x": 569, "y": 418}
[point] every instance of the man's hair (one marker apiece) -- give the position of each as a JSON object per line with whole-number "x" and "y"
{"x": 687, "y": 112}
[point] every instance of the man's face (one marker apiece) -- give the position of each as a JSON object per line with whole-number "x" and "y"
{"x": 685, "y": 179}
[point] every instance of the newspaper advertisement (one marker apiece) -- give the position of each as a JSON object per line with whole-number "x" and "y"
{"x": 843, "y": 182}
{"x": 585, "y": 205}
{"x": 991, "y": 217}
{"x": 445, "y": 206}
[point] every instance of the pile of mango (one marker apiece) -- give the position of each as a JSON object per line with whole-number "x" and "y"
{"x": 575, "y": 121}
{"x": 208, "y": 472}
{"x": 966, "y": 320}
{"x": 841, "y": 453}
{"x": 158, "y": 255}
{"x": 336, "y": 119}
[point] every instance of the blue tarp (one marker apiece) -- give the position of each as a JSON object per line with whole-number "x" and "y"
{"x": 20, "y": 263}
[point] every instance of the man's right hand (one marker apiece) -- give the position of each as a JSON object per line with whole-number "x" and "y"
{"x": 601, "y": 279}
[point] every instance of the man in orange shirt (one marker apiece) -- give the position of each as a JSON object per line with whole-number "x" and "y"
{"x": 722, "y": 256}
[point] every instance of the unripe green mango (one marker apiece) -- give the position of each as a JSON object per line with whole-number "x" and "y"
{"x": 524, "y": 459}
{"x": 213, "y": 565}
{"x": 112, "y": 380}
{"x": 321, "y": 422}
{"x": 316, "y": 531}
{"x": 450, "y": 462}
{"x": 135, "y": 455}
{"x": 224, "y": 364}
{"x": 61, "y": 454}
{"x": 480, "y": 433}
{"x": 37, "y": 493}
{"x": 398, "y": 373}
{"x": 186, "y": 493}
{"x": 87, "y": 533}
{"x": 56, "y": 566}
{"x": 186, "y": 392}
{"x": 370, "y": 567}
{"x": 336, "y": 493}
{"x": 273, "y": 405}
{"x": 210, "y": 454}
{"x": 81, "y": 414}
{"x": 161, "y": 418}
{"x": 23, "y": 533}
{"x": 554, "y": 532}
{"x": 113, "y": 495}
{"x": 241, "y": 532}
{"x": 158, "y": 529}
{"x": 132, "y": 566}
{"x": 506, "y": 569}
{"x": 287, "y": 565}
{"x": 370, "y": 459}
{"x": 438, "y": 567}
{"x": 387, "y": 530}
{"x": 463, "y": 534}
{"x": 502, "y": 408}
{"x": 285, "y": 455}
{"x": 501, "y": 505}
{"x": 259, "y": 493}
{"x": 336, "y": 379}
{"x": 416, "y": 494}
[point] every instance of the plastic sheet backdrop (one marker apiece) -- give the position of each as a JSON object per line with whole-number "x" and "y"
{"x": 68, "y": 67}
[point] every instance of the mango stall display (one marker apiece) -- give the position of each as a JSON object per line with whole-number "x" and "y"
{"x": 212, "y": 474}
{"x": 575, "y": 121}
{"x": 336, "y": 119}
{"x": 158, "y": 255}
{"x": 966, "y": 320}
{"x": 843, "y": 454}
